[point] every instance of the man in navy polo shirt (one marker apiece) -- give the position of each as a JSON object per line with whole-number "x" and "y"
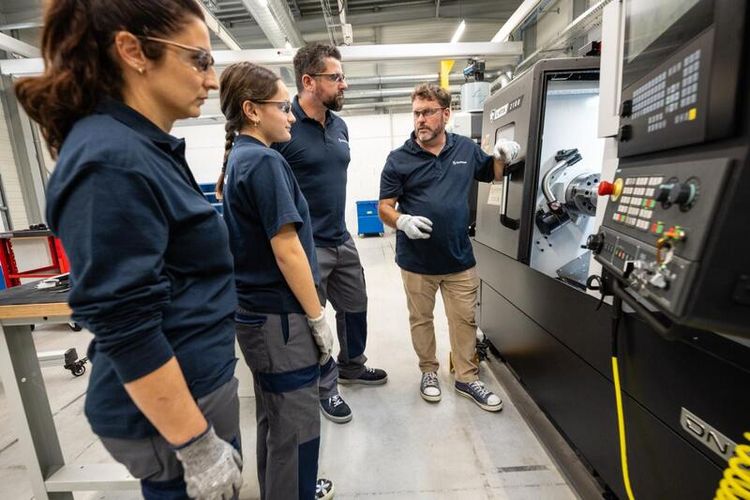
{"x": 319, "y": 156}
{"x": 430, "y": 177}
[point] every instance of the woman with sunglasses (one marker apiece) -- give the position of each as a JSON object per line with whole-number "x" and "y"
{"x": 281, "y": 326}
{"x": 150, "y": 264}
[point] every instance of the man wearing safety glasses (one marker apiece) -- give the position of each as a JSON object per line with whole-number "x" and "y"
{"x": 319, "y": 156}
{"x": 430, "y": 177}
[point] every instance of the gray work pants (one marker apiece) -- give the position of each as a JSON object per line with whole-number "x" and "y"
{"x": 342, "y": 281}
{"x": 153, "y": 460}
{"x": 281, "y": 353}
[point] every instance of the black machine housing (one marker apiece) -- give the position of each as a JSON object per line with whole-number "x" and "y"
{"x": 683, "y": 397}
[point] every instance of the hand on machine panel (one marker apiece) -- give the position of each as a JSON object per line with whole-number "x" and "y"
{"x": 415, "y": 227}
{"x": 506, "y": 150}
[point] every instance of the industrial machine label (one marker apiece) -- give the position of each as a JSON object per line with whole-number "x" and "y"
{"x": 503, "y": 110}
{"x": 707, "y": 435}
{"x": 496, "y": 194}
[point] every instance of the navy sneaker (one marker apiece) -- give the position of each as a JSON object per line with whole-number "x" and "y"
{"x": 336, "y": 410}
{"x": 323, "y": 489}
{"x": 370, "y": 376}
{"x": 477, "y": 392}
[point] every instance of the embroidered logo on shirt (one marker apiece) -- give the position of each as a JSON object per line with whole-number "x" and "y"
{"x": 343, "y": 140}
{"x": 459, "y": 162}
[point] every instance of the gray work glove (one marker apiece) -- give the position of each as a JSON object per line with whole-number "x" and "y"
{"x": 416, "y": 227}
{"x": 506, "y": 150}
{"x": 322, "y": 335}
{"x": 212, "y": 467}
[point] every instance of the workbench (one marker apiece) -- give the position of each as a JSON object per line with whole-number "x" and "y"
{"x": 28, "y": 405}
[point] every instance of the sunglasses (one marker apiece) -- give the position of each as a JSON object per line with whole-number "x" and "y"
{"x": 284, "y": 106}
{"x": 426, "y": 112}
{"x": 202, "y": 59}
{"x": 334, "y": 77}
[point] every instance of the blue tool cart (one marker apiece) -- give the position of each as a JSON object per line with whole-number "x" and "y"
{"x": 368, "y": 222}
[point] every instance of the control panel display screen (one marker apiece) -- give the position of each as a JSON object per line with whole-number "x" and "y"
{"x": 648, "y": 20}
{"x": 655, "y": 30}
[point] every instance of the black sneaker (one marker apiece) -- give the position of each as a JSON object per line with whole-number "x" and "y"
{"x": 429, "y": 388}
{"x": 336, "y": 410}
{"x": 477, "y": 392}
{"x": 323, "y": 489}
{"x": 370, "y": 376}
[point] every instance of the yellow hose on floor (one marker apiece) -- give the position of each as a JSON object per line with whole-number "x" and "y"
{"x": 735, "y": 484}
{"x": 621, "y": 430}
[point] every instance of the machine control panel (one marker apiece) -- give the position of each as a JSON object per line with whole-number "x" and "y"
{"x": 655, "y": 228}
{"x": 668, "y": 108}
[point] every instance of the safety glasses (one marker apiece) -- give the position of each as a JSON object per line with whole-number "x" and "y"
{"x": 334, "y": 77}
{"x": 284, "y": 106}
{"x": 202, "y": 59}
{"x": 426, "y": 112}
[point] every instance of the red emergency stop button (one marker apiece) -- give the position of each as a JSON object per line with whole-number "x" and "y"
{"x": 613, "y": 189}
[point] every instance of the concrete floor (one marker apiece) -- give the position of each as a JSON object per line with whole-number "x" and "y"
{"x": 396, "y": 447}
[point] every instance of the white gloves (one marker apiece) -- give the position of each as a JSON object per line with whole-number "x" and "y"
{"x": 506, "y": 150}
{"x": 212, "y": 467}
{"x": 322, "y": 335}
{"x": 416, "y": 227}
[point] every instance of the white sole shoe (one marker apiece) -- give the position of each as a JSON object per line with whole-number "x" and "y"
{"x": 431, "y": 399}
{"x": 482, "y": 406}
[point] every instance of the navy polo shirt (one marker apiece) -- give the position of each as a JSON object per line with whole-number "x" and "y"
{"x": 319, "y": 157}
{"x": 260, "y": 196}
{"x": 436, "y": 187}
{"x": 150, "y": 263}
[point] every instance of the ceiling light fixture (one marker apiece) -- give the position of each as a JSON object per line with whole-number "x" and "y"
{"x": 459, "y": 31}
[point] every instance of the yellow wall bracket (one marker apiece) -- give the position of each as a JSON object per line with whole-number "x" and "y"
{"x": 446, "y": 65}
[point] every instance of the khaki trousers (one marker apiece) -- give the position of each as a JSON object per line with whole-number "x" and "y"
{"x": 459, "y": 291}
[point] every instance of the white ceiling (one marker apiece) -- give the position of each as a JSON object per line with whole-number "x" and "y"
{"x": 374, "y": 22}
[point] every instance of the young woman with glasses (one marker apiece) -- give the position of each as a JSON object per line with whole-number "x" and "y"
{"x": 281, "y": 325}
{"x": 150, "y": 263}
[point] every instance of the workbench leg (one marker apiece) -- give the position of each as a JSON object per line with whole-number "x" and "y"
{"x": 29, "y": 409}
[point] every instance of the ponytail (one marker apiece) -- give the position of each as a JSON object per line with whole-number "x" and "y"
{"x": 73, "y": 78}
{"x": 231, "y": 133}
{"x": 78, "y": 68}
{"x": 240, "y": 82}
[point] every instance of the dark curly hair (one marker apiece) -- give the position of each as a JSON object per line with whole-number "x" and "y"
{"x": 432, "y": 92}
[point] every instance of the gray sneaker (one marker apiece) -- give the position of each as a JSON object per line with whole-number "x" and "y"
{"x": 429, "y": 389}
{"x": 477, "y": 392}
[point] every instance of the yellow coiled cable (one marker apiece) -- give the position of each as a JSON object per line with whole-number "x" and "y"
{"x": 621, "y": 430}
{"x": 735, "y": 484}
